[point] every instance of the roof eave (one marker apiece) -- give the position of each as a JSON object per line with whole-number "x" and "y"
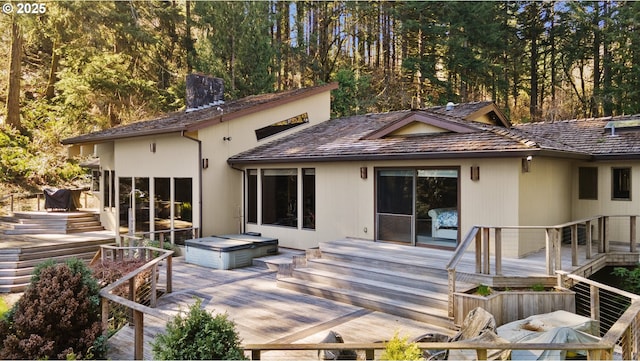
{"x": 105, "y": 139}
{"x": 397, "y": 156}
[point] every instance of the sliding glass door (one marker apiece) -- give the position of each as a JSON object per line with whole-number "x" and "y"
{"x": 418, "y": 206}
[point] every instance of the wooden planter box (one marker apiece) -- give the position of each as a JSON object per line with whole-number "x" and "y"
{"x": 508, "y": 306}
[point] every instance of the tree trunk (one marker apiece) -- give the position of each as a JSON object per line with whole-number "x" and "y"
{"x": 15, "y": 72}
{"x": 50, "y": 92}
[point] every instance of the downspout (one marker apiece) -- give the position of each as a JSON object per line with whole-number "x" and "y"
{"x": 243, "y": 225}
{"x": 184, "y": 135}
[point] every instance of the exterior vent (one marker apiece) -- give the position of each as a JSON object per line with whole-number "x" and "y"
{"x": 204, "y": 92}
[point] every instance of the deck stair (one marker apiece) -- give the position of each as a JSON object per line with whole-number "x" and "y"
{"x": 17, "y": 263}
{"x": 389, "y": 278}
{"x": 21, "y": 223}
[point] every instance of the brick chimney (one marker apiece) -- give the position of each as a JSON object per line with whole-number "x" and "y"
{"x": 204, "y": 91}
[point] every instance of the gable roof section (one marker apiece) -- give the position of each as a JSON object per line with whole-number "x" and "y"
{"x": 358, "y": 138}
{"x": 198, "y": 119}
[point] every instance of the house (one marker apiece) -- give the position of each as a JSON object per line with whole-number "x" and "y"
{"x": 277, "y": 165}
{"x": 171, "y": 173}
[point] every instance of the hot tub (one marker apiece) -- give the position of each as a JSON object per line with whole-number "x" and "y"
{"x": 263, "y": 246}
{"x": 218, "y": 252}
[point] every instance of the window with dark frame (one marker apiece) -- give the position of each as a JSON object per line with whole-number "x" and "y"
{"x": 281, "y": 126}
{"x": 106, "y": 189}
{"x": 309, "y": 198}
{"x": 280, "y": 197}
{"x": 252, "y": 196}
{"x": 621, "y": 183}
{"x": 588, "y": 183}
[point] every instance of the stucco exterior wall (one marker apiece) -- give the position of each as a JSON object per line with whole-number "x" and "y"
{"x": 605, "y": 205}
{"x": 174, "y": 157}
{"x": 345, "y": 203}
{"x": 222, "y": 185}
{"x": 544, "y": 199}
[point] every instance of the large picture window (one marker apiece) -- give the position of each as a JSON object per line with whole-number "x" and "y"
{"x": 280, "y": 197}
{"x": 621, "y": 184}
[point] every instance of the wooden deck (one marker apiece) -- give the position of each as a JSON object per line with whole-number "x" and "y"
{"x": 266, "y": 313}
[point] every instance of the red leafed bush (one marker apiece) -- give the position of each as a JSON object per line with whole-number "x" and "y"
{"x": 57, "y": 317}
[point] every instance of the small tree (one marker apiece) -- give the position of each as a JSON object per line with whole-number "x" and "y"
{"x": 57, "y": 317}
{"x": 399, "y": 348}
{"x": 199, "y": 336}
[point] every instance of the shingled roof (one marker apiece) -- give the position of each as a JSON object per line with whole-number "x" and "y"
{"x": 190, "y": 121}
{"x": 349, "y": 139}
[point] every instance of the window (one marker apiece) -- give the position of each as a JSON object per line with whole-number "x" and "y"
{"x": 588, "y": 183}
{"x": 309, "y": 198}
{"x": 95, "y": 181}
{"x": 280, "y": 197}
{"x": 109, "y": 193}
{"x": 281, "y": 126}
{"x": 252, "y": 196}
{"x": 621, "y": 183}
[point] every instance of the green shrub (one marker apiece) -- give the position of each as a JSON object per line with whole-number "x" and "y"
{"x": 4, "y": 307}
{"x": 399, "y": 348}
{"x": 630, "y": 279}
{"x": 57, "y": 316}
{"x": 484, "y": 290}
{"x": 199, "y": 336}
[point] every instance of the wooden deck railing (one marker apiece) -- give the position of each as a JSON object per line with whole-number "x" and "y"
{"x": 154, "y": 257}
{"x": 165, "y": 235}
{"x": 623, "y": 334}
{"x": 16, "y": 202}
{"x": 480, "y": 237}
{"x": 595, "y": 351}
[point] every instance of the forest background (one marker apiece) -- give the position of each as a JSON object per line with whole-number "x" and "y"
{"x": 70, "y": 67}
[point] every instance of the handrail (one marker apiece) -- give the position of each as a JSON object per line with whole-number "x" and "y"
{"x": 482, "y": 348}
{"x": 139, "y": 310}
{"x": 28, "y": 195}
{"x": 481, "y": 234}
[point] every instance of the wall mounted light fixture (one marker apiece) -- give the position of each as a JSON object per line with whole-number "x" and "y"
{"x": 526, "y": 164}
{"x": 475, "y": 173}
{"x": 152, "y": 147}
{"x": 205, "y": 163}
{"x": 363, "y": 172}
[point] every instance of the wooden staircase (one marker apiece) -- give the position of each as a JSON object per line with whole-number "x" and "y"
{"x": 50, "y": 223}
{"x": 390, "y": 278}
{"x": 17, "y": 263}
{"x": 30, "y": 238}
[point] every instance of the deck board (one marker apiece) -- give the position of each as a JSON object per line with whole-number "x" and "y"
{"x": 264, "y": 313}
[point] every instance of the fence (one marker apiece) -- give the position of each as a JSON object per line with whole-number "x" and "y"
{"x": 135, "y": 294}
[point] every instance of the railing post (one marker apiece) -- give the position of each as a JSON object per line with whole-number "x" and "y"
{"x": 369, "y": 354}
{"x": 154, "y": 295}
{"x": 486, "y": 267}
{"x": 104, "y": 305}
{"x": 595, "y": 303}
{"x": 574, "y": 244}
{"x": 498, "y": 250}
{"x": 161, "y": 240}
{"x": 12, "y": 203}
{"x": 549, "y": 250}
{"x": 138, "y": 324}
{"x": 479, "y": 251}
{"x": 38, "y": 202}
{"x": 632, "y": 233}
{"x": 605, "y": 233}
{"x": 169, "y": 274}
{"x": 557, "y": 240}
{"x": 452, "y": 290}
{"x": 589, "y": 238}
{"x": 481, "y": 354}
{"x": 601, "y": 234}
